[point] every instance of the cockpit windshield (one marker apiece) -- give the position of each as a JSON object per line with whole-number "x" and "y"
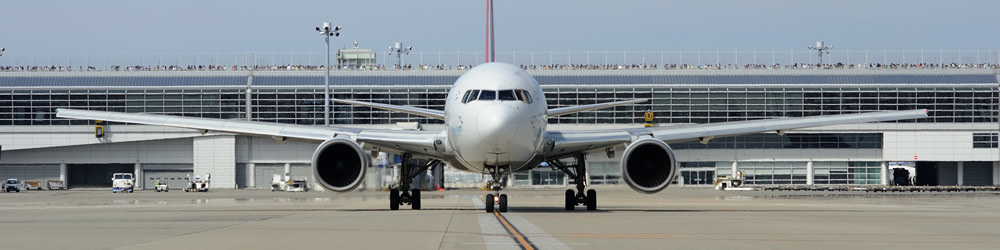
{"x": 507, "y": 95}
{"x": 487, "y": 95}
{"x": 492, "y": 95}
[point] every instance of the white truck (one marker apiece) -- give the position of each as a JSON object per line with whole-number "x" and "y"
{"x": 13, "y": 185}
{"x": 198, "y": 184}
{"x": 122, "y": 182}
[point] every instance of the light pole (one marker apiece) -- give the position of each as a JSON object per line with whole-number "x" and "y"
{"x": 398, "y": 48}
{"x": 327, "y": 32}
{"x": 820, "y": 48}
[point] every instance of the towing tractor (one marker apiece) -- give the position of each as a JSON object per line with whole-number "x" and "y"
{"x": 161, "y": 186}
{"x": 122, "y": 182}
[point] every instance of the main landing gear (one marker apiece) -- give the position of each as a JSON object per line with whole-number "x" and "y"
{"x": 579, "y": 177}
{"x": 496, "y": 200}
{"x": 406, "y": 172}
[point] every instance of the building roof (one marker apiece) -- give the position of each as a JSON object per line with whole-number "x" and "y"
{"x": 447, "y": 77}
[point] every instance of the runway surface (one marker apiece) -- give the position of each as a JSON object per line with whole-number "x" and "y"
{"x": 681, "y": 218}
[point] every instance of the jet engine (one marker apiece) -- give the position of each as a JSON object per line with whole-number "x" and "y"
{"x": 648, "y": 165}
{"x": 339, "y": 164}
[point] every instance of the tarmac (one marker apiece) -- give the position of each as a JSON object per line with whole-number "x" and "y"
{"x": 677, "y": 218}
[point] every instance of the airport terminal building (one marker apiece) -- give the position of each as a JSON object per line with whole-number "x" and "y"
{"x": 956, "y": 145}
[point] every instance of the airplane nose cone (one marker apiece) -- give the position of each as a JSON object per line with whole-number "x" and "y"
{"x": 497, "y": 124}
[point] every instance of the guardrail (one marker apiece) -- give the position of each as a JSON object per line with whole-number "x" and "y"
{"x": 537, "y": 60}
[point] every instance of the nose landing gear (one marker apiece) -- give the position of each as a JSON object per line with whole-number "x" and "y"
{"x": 496, "y": 201}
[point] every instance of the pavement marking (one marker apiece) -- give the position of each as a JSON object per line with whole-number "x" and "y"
{"x": 515, "y": 231}
{"x": 494, "y": 235}
{"x": 539, "y": 238}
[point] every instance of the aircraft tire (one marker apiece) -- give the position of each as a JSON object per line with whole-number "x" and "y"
{"x": 570, "y": 200}
{"x": 394, "y": 199}
{"x": 591, "y": 200}
{"x": 503, "y": 203}
{"x": 415, "y": 199}
{"x": 489, "y": 203}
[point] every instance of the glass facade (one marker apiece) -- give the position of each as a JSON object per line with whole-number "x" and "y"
{"x": 984, "y": 140}
{"x": 697, "y": 173}
{"x": 773, "y": 173}
{"x": 957, "y": 98}
{"x": 853, "y": 173}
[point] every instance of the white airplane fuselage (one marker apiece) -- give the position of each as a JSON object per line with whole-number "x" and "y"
{"x": 493, "y": 130}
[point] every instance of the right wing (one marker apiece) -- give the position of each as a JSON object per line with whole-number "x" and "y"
{"x": 581, "y": 108}
{"x": 429, "y": 113}
{"x": 204, "y": 125}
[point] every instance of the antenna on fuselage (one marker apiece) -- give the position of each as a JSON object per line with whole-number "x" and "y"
{"x": 490, "y": 41}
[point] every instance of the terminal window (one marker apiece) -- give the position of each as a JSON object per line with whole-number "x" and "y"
{"x": 984, "y": 140}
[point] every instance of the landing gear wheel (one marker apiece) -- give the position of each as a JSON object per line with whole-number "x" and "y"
{"x": 570, "y": 200}
{"x": 591, "y": 200}
{"x": 503, "y": 203}
{"x": 394, "y": 199}
{"x": 489, "y": 203}
{"x": 415, "y": 199}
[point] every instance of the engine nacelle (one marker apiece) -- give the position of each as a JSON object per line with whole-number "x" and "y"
{"x": 648, "y": 165}
{"x": 339, "y": 164}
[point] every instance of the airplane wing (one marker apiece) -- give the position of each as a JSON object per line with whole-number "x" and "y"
{"x": 581, "y": 108}
{"x": 429, "y": 113}
{"x": 418, "y": 142}
{"x": 574, "y": 109}
{"x": 568, "y": 142}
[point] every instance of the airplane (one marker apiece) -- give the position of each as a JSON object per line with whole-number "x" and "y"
{"x": 496, "y": 118}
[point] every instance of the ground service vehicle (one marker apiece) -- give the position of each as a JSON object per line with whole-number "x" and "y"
{"x": 122, "y": 182}
{"x": 161, "y": 185}
{"x": 197, "y": 184}
{"x": 13, "y": 185}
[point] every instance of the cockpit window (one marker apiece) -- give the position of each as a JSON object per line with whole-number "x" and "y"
{"x": 502, "y": 95}
{"x": 507, "y": 95}
{"x": 470, "y": 95}
{"x": 523, "y": 95}
{"x": 487, "y": 95}
{"x": 465, "y": 98}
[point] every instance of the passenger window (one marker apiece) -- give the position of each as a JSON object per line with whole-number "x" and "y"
{"x": 507, "y": 95}
{"x": 488, "y": 95}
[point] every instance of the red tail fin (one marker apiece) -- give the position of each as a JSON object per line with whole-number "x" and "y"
{"x": 490, "y": 42}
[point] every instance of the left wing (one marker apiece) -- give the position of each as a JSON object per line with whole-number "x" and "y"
{"x": 566, "y": 142}
{"x": 418, "y": 142}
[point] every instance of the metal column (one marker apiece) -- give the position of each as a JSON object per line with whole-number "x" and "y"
{"x": 810, "y": 179}
{"x": 961, "y": 173}
{"x": 884, "y": 171}
{"x": 139, "y": 181}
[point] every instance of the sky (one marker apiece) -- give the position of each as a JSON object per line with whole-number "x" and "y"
{"x": 186, "y": 26}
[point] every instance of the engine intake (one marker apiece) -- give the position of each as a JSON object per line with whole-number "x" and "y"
{"x": 649, "y": 165}
{"x": 339, "y": 164}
